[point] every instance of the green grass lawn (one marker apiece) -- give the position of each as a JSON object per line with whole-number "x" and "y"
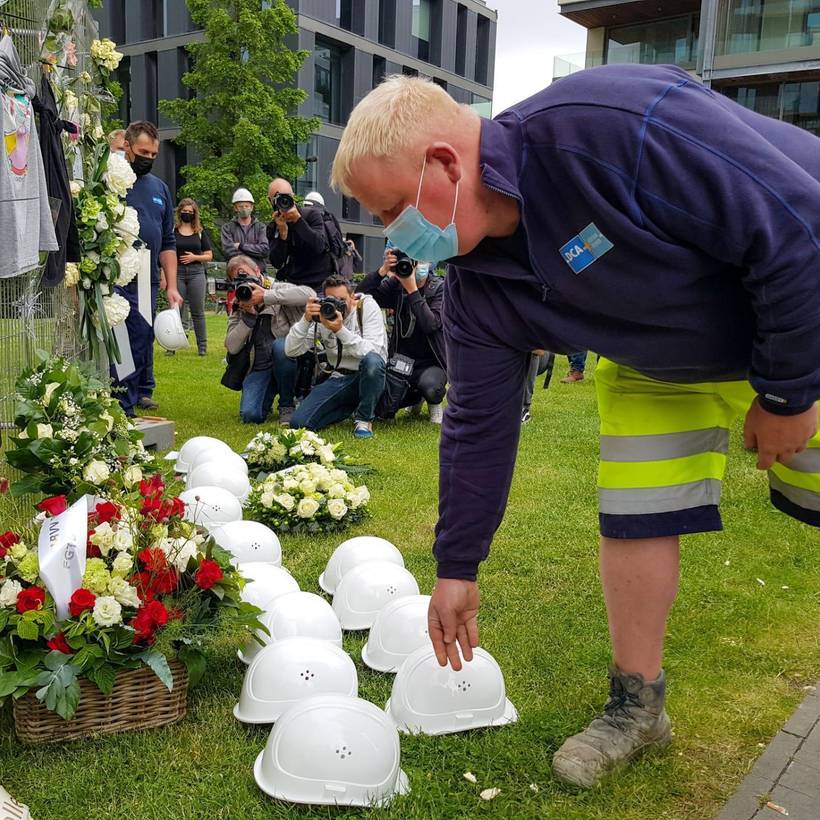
{"x": 738, "y": 652}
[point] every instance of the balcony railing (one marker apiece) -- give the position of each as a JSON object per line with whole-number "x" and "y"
{"x": 565, "y": 64}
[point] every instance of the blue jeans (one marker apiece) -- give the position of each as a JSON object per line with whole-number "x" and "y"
{"x": 339, "y": 396}
{"x": 260, "y": 386}
{"x": 578, "y": 361}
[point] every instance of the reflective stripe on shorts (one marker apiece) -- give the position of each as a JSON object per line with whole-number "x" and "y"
{"x": 659, "y": 499}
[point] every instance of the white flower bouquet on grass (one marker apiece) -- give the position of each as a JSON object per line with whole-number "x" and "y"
{"x": 269, "y": 452}
{"x": 308, "y": 498}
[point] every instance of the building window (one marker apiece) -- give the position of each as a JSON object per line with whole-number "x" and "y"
{"x": 797, "y": 103}
{"x": 481, "y": 105}
{"x": 307, "y": 181}
{"x": 748, "y": 26}
{"x": 122, "y": 75}
{"x": 482, "y": 50}
{"x": 350, "y": 209}
{"x": 420, "y": 28}
{"x": 327, "y": 85}
{"x": 350, "y": 15}
{"x": 409, "y": 72}
{"x": 661, "y": 41}
{"x": 461, "y": 40}
{"x": 379, "y": 70}
{"x": 387, "y": 22}
{"x": 441, "y": 83}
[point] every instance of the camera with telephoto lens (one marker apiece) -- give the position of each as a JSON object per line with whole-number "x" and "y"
{"x": 404, "y": 266}
{"x": 240, "y": 284}
{"x": 283, "y": 202}
{"x": 328, "y": 306}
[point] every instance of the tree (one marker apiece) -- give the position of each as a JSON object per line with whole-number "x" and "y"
{"x": 242, "y": 119}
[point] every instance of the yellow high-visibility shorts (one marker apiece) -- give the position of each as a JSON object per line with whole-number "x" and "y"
{"x": 663, "y": 453}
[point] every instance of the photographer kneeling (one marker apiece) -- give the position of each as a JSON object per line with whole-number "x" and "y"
{"x": 257, "y": 361}
{"x": 417, "y": 358}
{"x": 352, "y": 333}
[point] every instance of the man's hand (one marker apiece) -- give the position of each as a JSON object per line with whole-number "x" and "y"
{"x": 387, "y": 266}
{"x": 451, "y": 618}
{"x": 409, "y": 282}
{"x": 174, "y": 297}
{"x": 777, "y": 438}
{"x": 335, "y": 325}
{"x": 187, "y": 258}
{"x": 312, "y": 310}
{"x": 292, "y": 215}
{"x": 281, "y": 224}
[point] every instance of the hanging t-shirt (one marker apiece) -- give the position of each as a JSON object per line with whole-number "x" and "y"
{"x": 26, "y": 225}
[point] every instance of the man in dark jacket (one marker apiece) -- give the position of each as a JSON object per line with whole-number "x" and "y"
{"x": 416, "y": 301}
{"x": 630, "y": 211}
{"x": 298, "y": 243}
{"x": 245, "y": 235}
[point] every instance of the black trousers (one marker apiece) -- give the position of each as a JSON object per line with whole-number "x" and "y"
{"x": 428, "y": 383}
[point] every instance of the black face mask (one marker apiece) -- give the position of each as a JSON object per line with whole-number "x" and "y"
{"x": 185, "y": 217}
{"x": 142, "y": 165}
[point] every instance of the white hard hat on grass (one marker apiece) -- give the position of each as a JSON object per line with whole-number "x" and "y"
{"x": 366, "y": 589}
{"x": 353, "y": 552}
{"x": 249, "y": 541}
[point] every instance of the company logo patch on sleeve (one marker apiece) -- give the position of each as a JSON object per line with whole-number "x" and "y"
{"x": 158, "y": 200}
{"x": 582, "y": 250}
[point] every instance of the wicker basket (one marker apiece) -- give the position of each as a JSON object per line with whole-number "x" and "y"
{"x": 139, "y": 700}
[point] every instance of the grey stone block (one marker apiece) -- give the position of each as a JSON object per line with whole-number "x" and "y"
{"x": 799, "y": 806}
{"x": 776, "y": 757}
{"x": 809, "y": 754}
{"x": 804, "y": 717}
{"x": 745, "y": 803}
{"x": 801, "y": 778}
{"x": 158, "y": 433}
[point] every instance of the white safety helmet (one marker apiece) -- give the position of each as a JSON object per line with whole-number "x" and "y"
{"x": 356, "y": 551}
{"x": 242, "y": 195}
{"x": 168, "y": 330}
{"x": 193, "y": 447}
{"x": 211, "y": 507}
{"x": 314, "y": 198}
{"x": 291, "y": 670}
{"x": 224, "y": 456}
{"x": 332, "y": 750}
{"x": 399, "y": 630}
{"x": 265, "y": 583}
{"x": 295, "y": 615}
{"x": 434, "y": 700}
{"x": 213, "y": 474}
{"x": 367, "y": 588}
{"x": 249, "y": 541}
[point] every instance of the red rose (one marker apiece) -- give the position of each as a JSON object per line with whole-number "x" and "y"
{"x": 81, "y": 600}
{"x": 149, "y": 617}
{"x": 31, "y": 598}
{"x": 152, "y": 487}
{"x": 92, "y": 550}
{"x": 208, "y": 574}
{"x": 7, "y": 539}
{"x": 59, "y": 643}
{"x": 53, "y": 506}
{"x": 107, "y": 512}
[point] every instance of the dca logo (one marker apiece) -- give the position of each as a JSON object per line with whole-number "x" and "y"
{"x": 582, "y": 250}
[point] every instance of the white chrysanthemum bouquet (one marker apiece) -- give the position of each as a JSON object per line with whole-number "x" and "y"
{"x": 268, "y": 452}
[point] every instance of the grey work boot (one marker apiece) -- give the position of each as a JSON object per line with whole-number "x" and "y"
{"x": 633, "y": 721}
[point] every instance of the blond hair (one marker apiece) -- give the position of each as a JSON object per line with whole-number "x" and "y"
{"x": 117, "y": 133}
{"x": 386, "y": 123}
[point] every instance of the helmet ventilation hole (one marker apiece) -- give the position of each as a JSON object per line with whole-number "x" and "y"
{"x": 344, "y": 751}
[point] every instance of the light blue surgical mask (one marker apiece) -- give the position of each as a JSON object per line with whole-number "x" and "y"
{"x": 418, "y": 237}
{"x": 422, "y": 272}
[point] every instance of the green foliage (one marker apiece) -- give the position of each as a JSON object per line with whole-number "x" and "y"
{"x": 59, "y": 688}
{"x": 242, "y": 116}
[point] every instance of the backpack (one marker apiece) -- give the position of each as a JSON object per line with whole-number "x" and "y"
{"x": 335, "y": 244}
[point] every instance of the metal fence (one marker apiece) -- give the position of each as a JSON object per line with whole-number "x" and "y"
{"x": 34, "y": 318}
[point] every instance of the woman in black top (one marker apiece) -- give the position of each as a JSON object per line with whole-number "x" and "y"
{"x": 193, "y": 250}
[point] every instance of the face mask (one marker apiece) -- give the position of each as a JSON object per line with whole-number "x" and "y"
{"x": 186, "y": 217}
{"x": 142, "y": 165}
{"x": 422, "y": 272}
{"x": 244, "y": 212}
{"x": 119, "y": 153}
{"x": 418, "y": 237}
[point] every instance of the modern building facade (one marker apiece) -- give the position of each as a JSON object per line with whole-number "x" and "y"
{"x": 353, "y": 44}
{"x": 765, "y": 54}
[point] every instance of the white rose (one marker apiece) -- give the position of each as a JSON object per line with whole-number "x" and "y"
{"x": 123, "y": 592}
{"x": 107, "y": 611}
{"x": 101, "y": 223}
{"x": 307, "y": 487}
{"x": 132, "y": 476}
{"x": 307, "y": 508}
{"x": 123, "y": 539}
{"x": 336, "y": 491}
{"x": 103, "y": 538}
{"x": 119, "y": 176}
{"x": 76, "y": 185}
{"x": 122, "y": 565}
{"x": 266, "y": 499}
{"x": 326, "y": 454}
{"x": 116, "y": 308}
{"x": 49, "y": 392}
{"x": 9, "y": 592}
{"x": 45, "y": 431}
{"x": 129, "y": 226}
{"x": 96, "y": 472}
{"x": 183, "y": 552}
{"x": 338, "y": 475}
{"x": 290, "y": 484}
{"x": 337, "y": 508}
{"x": 286, "y": 500}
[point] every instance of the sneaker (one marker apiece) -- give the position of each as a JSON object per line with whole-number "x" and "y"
{"x": 286, "y": 415}
{"x": 147, "y": 403}
{"x": 363, "y": 429}
{"x": 573, "y": 376}
{"x": 436, "y": 413}
{"x": 633, "y": 722}
{"x": 202, "y": 353}
{"x": 525, "y": 416}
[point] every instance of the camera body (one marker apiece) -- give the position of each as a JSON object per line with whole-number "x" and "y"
{"x": 283, "y": 202}
{"x": 241, "y": 285}
{"x": 328, "y": 306}
{"x": 404, "y": 266}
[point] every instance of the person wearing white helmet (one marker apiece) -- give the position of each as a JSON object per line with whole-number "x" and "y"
{"x": 314, "y": 198}
{"x": 245, "y": 234}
